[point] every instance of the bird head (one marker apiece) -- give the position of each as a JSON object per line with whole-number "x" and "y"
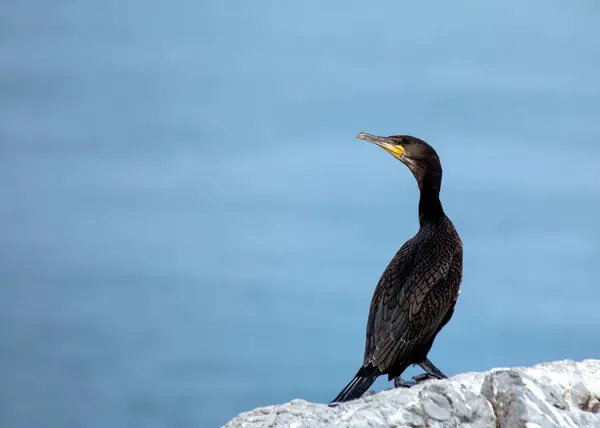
{"x": 413, "y": 152}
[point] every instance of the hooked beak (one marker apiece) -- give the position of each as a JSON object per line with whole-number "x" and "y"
{"x": 395, "y": 150}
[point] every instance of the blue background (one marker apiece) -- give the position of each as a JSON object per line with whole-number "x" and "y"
{"x": 189, "y": 229}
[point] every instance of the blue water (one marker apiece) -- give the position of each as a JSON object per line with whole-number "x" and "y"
{"x": 189, "y": 229}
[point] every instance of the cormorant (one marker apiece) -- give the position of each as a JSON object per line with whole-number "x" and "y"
{"x": 417, "y": 292}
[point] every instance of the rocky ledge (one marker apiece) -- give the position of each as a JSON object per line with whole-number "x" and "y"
{"x": 559, "y": 394}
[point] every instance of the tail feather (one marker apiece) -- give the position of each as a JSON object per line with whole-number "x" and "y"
{"x": 358, "y": 386}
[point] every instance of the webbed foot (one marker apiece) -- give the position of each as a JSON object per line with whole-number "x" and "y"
{"x": 401, "y": 383}
{"x": 426, "y": 376}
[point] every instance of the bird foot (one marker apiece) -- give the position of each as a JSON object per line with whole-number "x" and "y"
{"x": 425, "y": 376}
{"x": 401, "y": 383}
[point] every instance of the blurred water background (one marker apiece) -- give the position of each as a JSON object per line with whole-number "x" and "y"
{"x": 189, "y": 228}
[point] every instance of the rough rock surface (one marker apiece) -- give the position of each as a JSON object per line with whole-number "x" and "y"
{"x": 559, "y": 394}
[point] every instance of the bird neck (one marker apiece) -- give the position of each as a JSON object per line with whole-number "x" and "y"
{"x": 430, "y": 206}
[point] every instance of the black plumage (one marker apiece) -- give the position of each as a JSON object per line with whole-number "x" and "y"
{"x": 417, "y": 292}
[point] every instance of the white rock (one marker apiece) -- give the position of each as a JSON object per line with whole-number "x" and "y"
{"x": 560, "y": 394}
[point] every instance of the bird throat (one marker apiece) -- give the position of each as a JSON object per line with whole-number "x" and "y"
{"x": 430, "y": 206}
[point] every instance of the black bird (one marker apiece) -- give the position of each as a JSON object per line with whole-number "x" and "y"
{"x": 417, "y": 292}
